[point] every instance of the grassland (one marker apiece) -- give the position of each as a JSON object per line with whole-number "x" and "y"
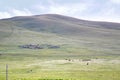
{"x": 90, "y": 56}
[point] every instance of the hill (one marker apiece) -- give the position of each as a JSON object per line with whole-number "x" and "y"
{"x": 90, "y": 36}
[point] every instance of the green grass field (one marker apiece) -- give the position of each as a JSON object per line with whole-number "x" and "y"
{"x": 57, "y": 67}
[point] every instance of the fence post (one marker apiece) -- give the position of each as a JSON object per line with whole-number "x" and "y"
{"x": 6, "y": 71}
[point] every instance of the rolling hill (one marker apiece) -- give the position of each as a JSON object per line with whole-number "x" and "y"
{"x": 88, "y": 36}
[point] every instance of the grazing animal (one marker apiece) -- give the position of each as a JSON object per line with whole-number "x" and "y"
{"x": 87, "y": 63}
{"x": 29, "y": 71}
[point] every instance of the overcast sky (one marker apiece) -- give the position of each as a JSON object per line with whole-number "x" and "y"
{"x": 99, "y": 10}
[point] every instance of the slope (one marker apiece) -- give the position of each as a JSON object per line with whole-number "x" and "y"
{"x": 74, "y": 35}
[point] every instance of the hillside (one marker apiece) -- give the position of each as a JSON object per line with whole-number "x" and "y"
{"x": 68, "y": 26}
{"x": 89, "y": 36}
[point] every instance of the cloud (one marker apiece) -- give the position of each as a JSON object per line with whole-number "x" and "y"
{"x": 4, "y": 15}
{"x": 15, "y": 12}
{"x": 69, "y": 9}
{"x": 24, "y": 12}
{"x": 115, "y": 1}
{"x": 109, "y": 12}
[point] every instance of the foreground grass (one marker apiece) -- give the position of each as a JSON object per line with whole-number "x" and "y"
{"x": 51, "y": 64}
{"x": 65, "y": 75}
{"x": 50, "y": 68}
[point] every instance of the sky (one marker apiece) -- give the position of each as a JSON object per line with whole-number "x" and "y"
{"x": 96, "y": 10}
